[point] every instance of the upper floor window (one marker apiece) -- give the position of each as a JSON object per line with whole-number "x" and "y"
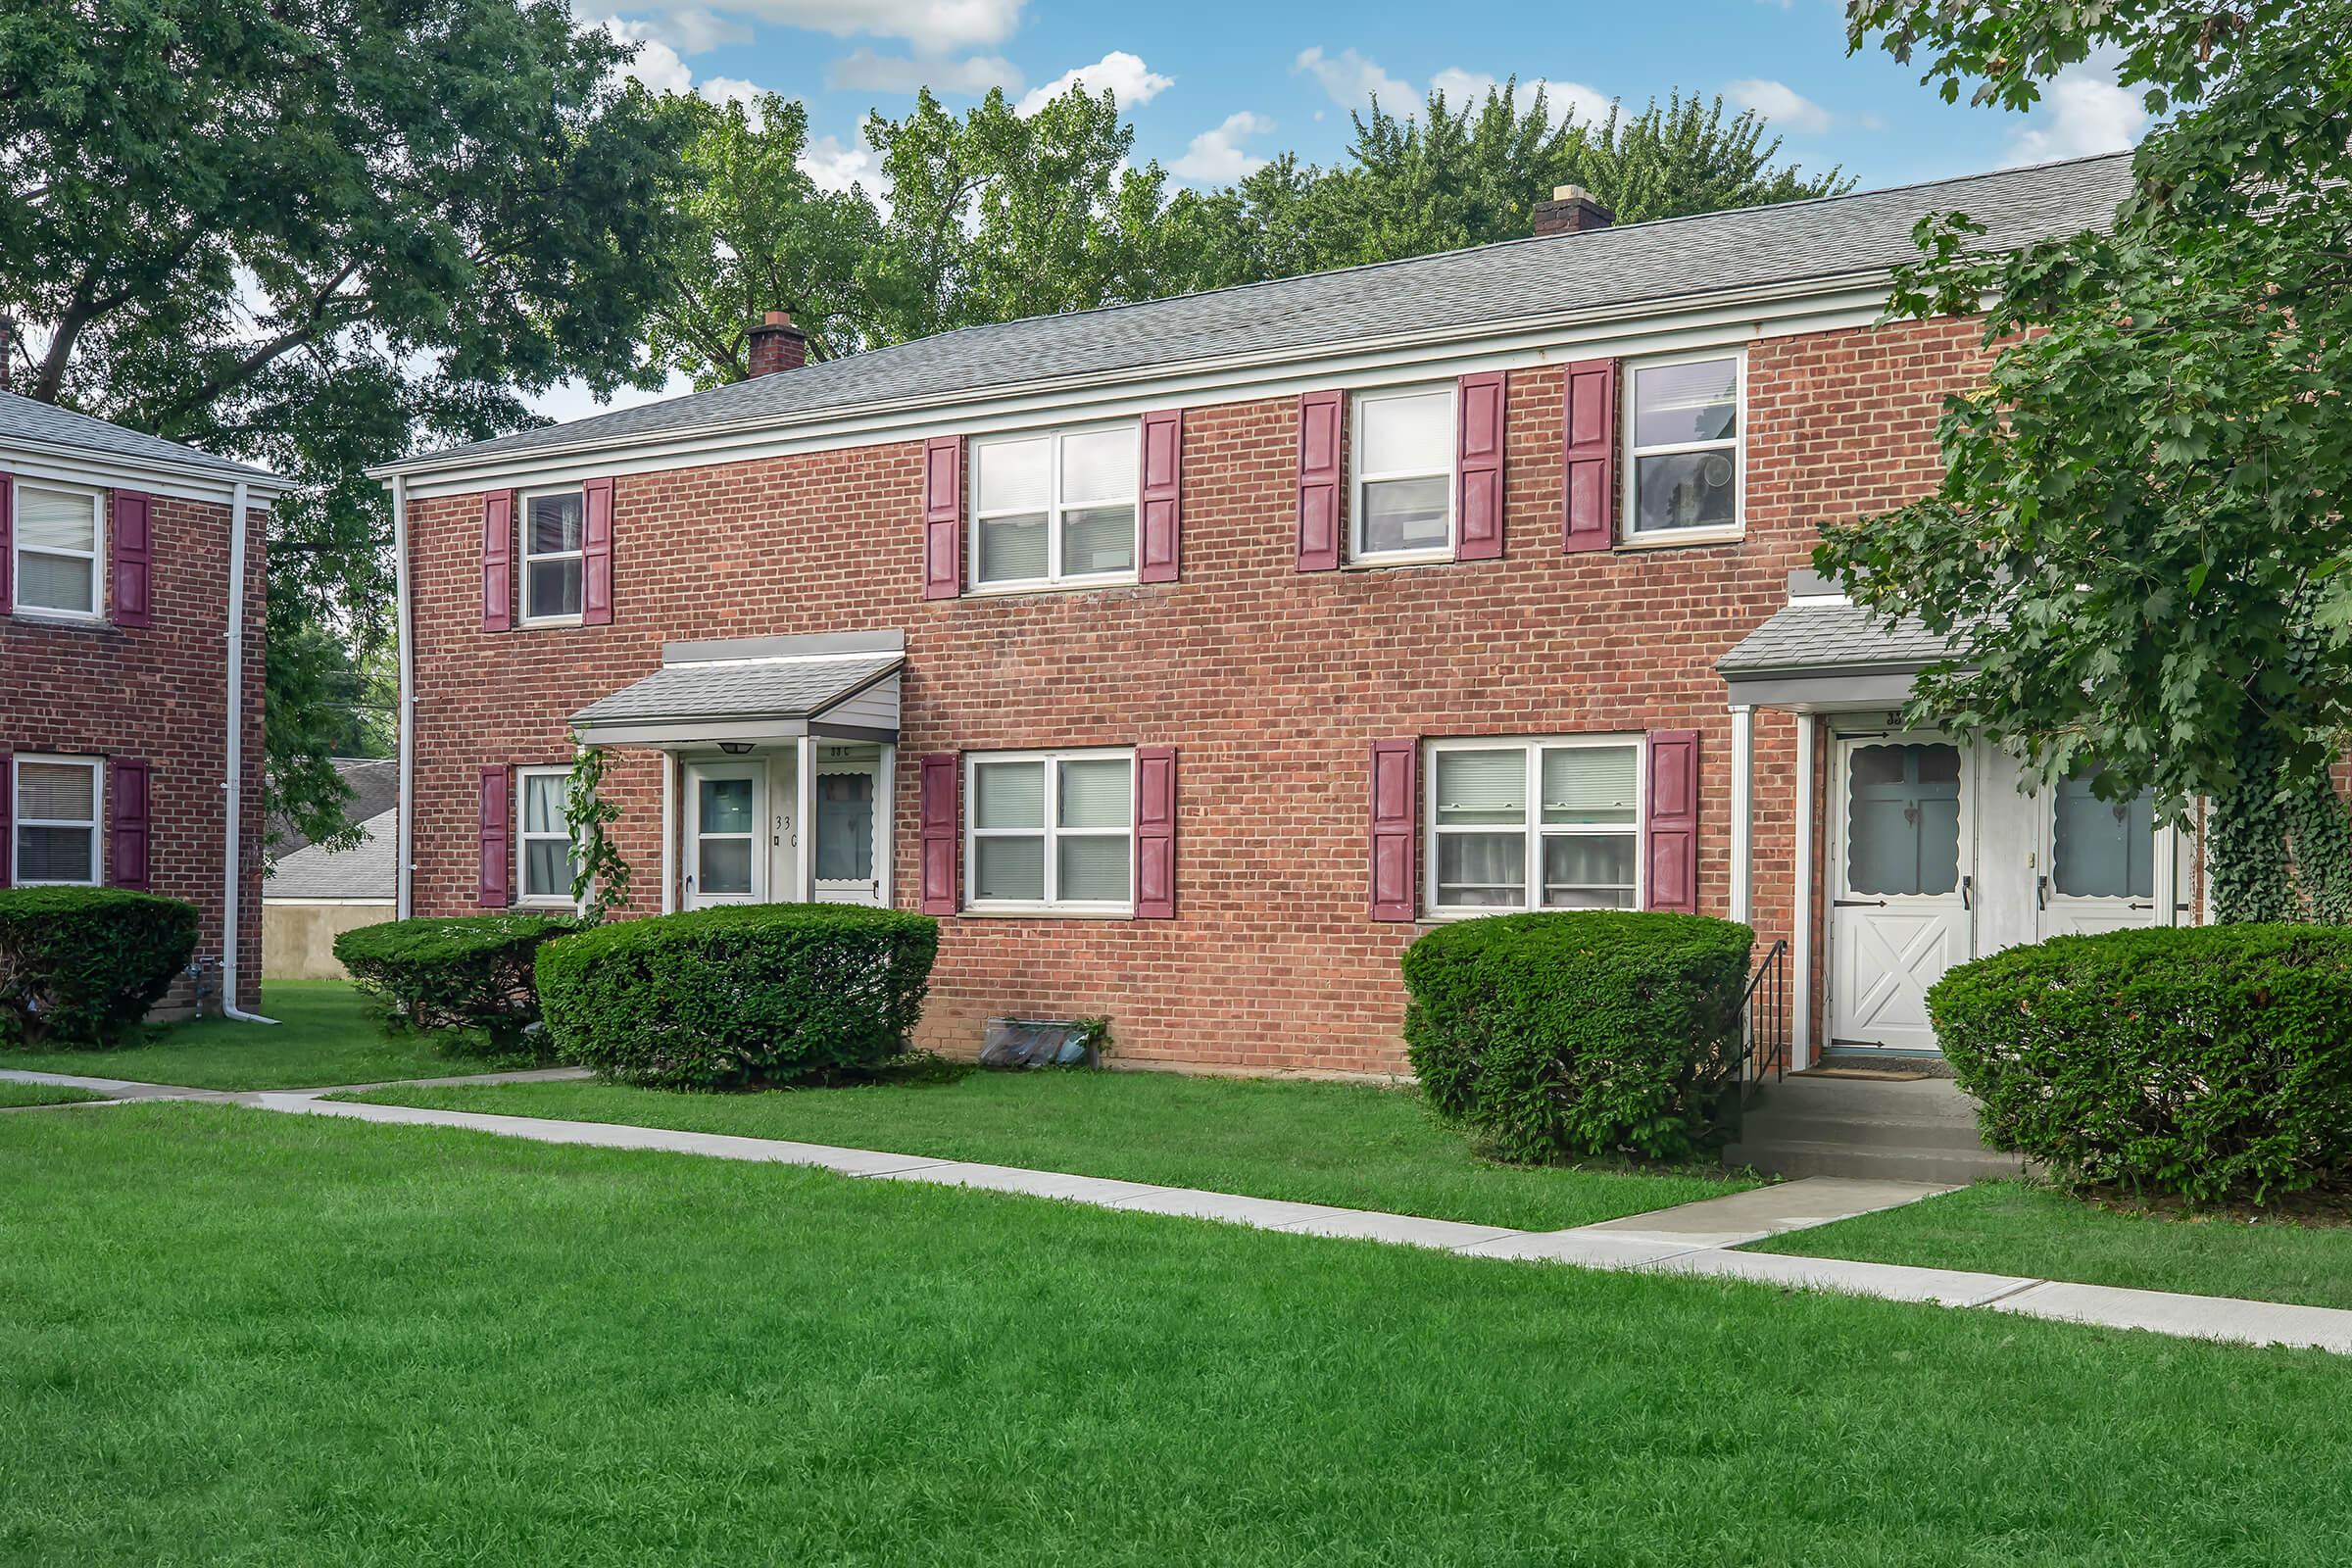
{"x": 60, "y": 537}
{"x": 1535, "y": 824}
{"x": 1051, "y": 830}
{"x": 1053, "y": 509}
{"x": 1684, "y": 460}
{"x": 554, "y": 554}
{"x": 56, "y": 811}
{"x": 1404, "y": 461}
{"x": 544, "y": 835}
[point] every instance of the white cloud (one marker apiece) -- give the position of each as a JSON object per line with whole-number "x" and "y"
{"x": 571, "y": 400}
{"x": 867, "y": 71}
{"x": 694, "y": 30}
{"x": 1349, "y": 78}
{"x": 1781, "y": 104}
{"x": 1216, "y": 155}
{"x": 1122, "y": 74}
{"x": 835, "y": 166}
{"x": 2081, "y": 111}
{"x": 732, "y": 90}
{"x": 657, "y": 64}
{"x": 934, "y": 27}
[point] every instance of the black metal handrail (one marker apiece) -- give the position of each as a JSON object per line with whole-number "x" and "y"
{"x": 1764, "y": 1022}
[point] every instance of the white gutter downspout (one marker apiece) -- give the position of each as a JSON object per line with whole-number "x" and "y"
{"x": 403, "y": 829}
{"x": 233, "y": 786}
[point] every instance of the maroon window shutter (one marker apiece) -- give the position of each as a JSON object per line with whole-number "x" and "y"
{"x": 495, "y": 833}
{"x": 8, "y": 808}
{"x": 1321, "y": 416}
{"x": 127, "y": 831}
{"x": 1155, "y": 832}
{"x": 1588, "y": 480}
{"x": 943, "y": 517}
{"x": 8, "y": 568}
{"x": 1163, "y": 496}
{"x": 943, "y": 854}
{"x": 1478, "y": 465}
{"x": 498, "y": 561}
{"x": 1396, "y": 783}
{"x": 596, "y": 550}
{"x": 134, "y": 560}
{"x": 1671, "y": 832}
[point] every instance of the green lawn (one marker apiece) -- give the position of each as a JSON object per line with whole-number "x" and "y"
{"x": 2020, "y": 1227}
{"x": 323, "y": 1036}
{"x": 242, "y": 1337}
{"x": 15, "y": 1094}
{"x": 1352, "y": 1145}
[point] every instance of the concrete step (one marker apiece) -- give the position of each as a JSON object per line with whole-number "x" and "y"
{"x": 1763, "y": 1126}
{"x": 1803, "y": 1157}
{"x": 1937, "y": 1099}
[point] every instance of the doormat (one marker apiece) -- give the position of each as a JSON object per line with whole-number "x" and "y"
{"x": 1907, "y": 1072}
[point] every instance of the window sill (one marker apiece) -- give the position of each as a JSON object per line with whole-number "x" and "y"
{"x": 1398, "y": 557}
{"x": 1074, "y": 585}
{"x": 35, "y": 616}
{"x": 1040, "y": 912}
{"x": 1682, "y": 538}
{"x": 546, "y": 622}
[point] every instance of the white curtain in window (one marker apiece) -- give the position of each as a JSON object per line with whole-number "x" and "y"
{"x": 1098, "y": 465}
{"x": 56, "y": 520}
{"x": 1408, "y": 434}
{"x": 1014, "y": 475}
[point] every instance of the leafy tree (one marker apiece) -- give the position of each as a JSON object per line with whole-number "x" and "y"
{"x": 306, "y": 232}
{"x": 2139, "y": 543}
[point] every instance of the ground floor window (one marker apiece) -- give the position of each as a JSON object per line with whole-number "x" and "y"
{"x": 545, "y": 836}
{"x": 1551, "y": 824}
{"x": 56, "y": 812}
{"x": 1050, "y": 830}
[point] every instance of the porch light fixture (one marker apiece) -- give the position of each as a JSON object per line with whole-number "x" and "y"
{"x": 735, "y": 748}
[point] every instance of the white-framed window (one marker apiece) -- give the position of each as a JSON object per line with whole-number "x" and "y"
{"x": 1402, "y": 452}
{"x": 542, "y": 836}
{"x": 1546, "y": 823}
{"x": 1054, "y": 508}
{"x": 58, "y": 804}
{"x": 1049, "y": 831}
{"x": 1685, "y": 468}
{"x": 60, "y": 544}
{"x": 555, "y": 559}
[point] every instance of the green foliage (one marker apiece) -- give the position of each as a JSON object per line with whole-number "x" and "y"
{"x": 600, "y": 878}
{"x": 745, "y": 993}
{"x": 1582, "y": 1032}
{"x": 455, "y": 975}
{"x": 81, "y": 966}
{"x": 2138, "y": 542}
{"x": 2208, "y": 1062}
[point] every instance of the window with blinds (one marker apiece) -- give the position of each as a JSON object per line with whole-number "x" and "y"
{"x": 58, "y": 539}
{"x": 1054, "y": 508}
{"x": 1051, "y": 831}
{"x": 58, "y": 799}
{"x": 1576, "y": 848}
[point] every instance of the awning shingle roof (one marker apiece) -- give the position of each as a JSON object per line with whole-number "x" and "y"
{"x": 751, "y": 688}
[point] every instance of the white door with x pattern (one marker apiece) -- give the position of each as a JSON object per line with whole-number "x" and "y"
{"x": 1902, "y": 885}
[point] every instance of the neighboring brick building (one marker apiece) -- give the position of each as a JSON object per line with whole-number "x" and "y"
{"x": 1197, "y": 652}
{"x": 115, "y": 645}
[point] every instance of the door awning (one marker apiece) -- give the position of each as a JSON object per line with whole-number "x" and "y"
{"x": 843, "y": 685}
{"x": 1820, "y": 653}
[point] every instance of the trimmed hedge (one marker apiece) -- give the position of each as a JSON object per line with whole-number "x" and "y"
{"x": 743, "y": 993}
{"x": 1582, "y": 1032}
{"x": 81, "y": 966}
{"x": 465, "y": 973}
{"x": 2210, "y": 1062}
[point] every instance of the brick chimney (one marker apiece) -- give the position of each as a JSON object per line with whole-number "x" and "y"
{"x": 1570, "y": 211}
{"x": 777, "y": 345}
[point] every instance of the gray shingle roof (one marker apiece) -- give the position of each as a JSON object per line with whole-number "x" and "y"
{"x": 1825, "y": 637}
{"x": 374, "y": 789}
{"x": 367, "y": 870}
{"x": 756, "y": 688}
{"x": 24, "y": 418}
{"x": 1630, "y": 264}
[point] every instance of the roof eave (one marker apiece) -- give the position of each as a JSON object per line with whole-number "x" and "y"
{"x": 259, "y": 481}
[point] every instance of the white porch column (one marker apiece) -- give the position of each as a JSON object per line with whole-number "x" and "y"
{"x": 886, "y": 823}
{"x": 1743, "y": 802}
{"x": 670, "y": 832}
{"x": 1800, "y": 936}
{"x": 805, "y": 812}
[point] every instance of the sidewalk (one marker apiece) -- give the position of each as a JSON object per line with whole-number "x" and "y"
{"x": 1694, "y": 1238}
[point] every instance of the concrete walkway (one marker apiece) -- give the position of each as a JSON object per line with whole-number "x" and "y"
{"x": 1692, "y": 1240}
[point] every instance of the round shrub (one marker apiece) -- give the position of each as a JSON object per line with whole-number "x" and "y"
{"x": 2207, "y": 1062}
{"x": 1582, "y": 1032}
{"x": 467, "y": 972}
{"x": 81, "y": 966}
{"x": 744, "y": 994}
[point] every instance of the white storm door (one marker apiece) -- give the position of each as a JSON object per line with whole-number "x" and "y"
{"x": 1901, "y": 888}
{"x": 2104, "y": 862}
{"x": 848, "y": 851}
{"x": 726, "y": 845}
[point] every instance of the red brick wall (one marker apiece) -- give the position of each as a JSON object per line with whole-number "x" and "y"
{"x": 161, "y": 693}
{"x": 1270, "y": 683}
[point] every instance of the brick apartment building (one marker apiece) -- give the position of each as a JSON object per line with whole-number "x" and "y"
{"x": 1188, "y": 657}
{"x": 128, "y": 756}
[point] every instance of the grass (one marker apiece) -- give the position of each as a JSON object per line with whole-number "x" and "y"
{"x": 15, "y": 1094}
{"x": 323, "y": 1036}
{"x": 2026, "y": 1229}
{"x": 242, "y": 1337}
{"x": 1351, "y": 1145}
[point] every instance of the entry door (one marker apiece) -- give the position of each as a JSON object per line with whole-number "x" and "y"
{"x": 2103, "y": 865}
{"x": 726, "y": 850}
{"x": 1903, "y": 886}
{"x": 847, "y": 850}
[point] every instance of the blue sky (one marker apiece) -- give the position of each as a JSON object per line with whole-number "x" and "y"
{"x": 1214, "y": 86}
